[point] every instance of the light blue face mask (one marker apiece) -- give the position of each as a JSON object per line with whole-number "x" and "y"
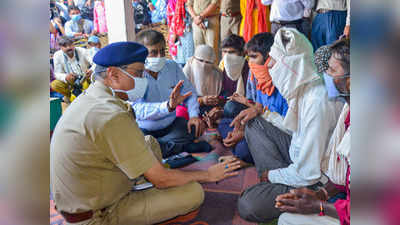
{"x": 333, "y": 93}
{"x": 76, "y": 17}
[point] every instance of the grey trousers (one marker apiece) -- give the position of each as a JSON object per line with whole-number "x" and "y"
{"x": 269, "y": 148}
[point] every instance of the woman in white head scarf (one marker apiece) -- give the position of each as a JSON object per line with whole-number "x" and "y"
{"x": 205, "y": 76}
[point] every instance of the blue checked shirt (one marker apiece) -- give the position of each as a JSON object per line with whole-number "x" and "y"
{"x": 151, "y": 110}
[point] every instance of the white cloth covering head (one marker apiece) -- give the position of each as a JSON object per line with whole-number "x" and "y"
{"x": 294, "y": 69}
{"x": 202, "y": 72}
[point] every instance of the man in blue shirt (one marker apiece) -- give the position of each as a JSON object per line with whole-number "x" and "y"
{"x": 155, "y": 112}
{"x": 78, "y": 26}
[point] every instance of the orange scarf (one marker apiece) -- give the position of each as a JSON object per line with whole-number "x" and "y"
{"x": 262, "y": 18}
{"x": 264, "y": 81}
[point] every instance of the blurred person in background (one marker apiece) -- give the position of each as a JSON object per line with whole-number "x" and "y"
{"x": 205, "y": 77}
{"x": 97, "y": 152}
{"x": 70, "y": 63}
{"x": 230, "y": 18}
{"x": 94, "y": 46}
{"x": 303, "y": 205}
{"x": 99, "y": 17}
{"x": 141, "y": 14}
{"x": 291, "y": 159}
{"x": 206, "y": 22}
{"x": 180, "y": 37}
{"x": 155, "y": 111}
{"x": 80, "y": 3}
{"x": 255, "y": 18}
{"x": 332, "y": 21}
{"x": 158, "y": 13}
{"x": 290, "y": 14}
{"x": 78, "y": 26}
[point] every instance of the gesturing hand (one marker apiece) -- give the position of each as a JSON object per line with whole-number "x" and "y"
{"x": 223, "y": 170}
{"x": 176, "y": 98}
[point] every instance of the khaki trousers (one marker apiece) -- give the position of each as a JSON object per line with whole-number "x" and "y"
{"x": 230, "y": 25}
{"x": 209, "y": 36}
{"x": 152, "y": 205}
{"x": 299, "y": 219}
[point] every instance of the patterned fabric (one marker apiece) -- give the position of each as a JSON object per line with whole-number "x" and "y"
{"x": 321, "y": 57}
{"x": 179, "y": 26}
{"x": 185, "y": 49}
{"x": 159, "y": 14}
{"x": 100, "y": 23}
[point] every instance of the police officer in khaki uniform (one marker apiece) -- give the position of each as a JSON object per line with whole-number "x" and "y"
{"x": 230, "y": 18}
{"x": 205, "y": 22}
{"x": 97, "y": 150}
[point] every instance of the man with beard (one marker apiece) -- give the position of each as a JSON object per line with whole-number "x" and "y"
{"x": 70, "y": 63}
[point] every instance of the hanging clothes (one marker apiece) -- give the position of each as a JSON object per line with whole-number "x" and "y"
{"x": 100, "y": 22}
{"x": 255, "y": 18}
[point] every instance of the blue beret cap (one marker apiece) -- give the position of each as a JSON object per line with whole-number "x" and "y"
{"x": 120, "y": 54}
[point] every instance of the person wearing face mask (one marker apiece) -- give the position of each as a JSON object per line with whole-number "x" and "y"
{"x": 77, "y": 26}
{"x": 70, "y": 63}
{"x": 155, "y": 112}
{"x": 94, "y": 45}
{"x": 205, "y": 77}
{"x": 262, "y": 98}
{"x": 234, "y": 66}
{"x": 303, "y": 205}
{"x": 97, "y": 150}
{"x": 292, "y": 153}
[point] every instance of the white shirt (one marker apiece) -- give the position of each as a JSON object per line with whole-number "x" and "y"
{"x": 311, "y": 117}
{"x": 288, "y": 10}
{"x": 63, "y": 65}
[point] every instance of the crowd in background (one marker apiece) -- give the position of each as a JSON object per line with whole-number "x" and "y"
{"x": 269, "y": 81}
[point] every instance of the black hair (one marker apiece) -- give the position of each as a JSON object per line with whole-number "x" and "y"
{"x": 233, "y": 41}
{"x": 150, "y": 37}
{"x": 72, "y": 7}
{"x": 64, "y": 41}
{"x": 261, "y": 43}
{"x": 340, "y": 49}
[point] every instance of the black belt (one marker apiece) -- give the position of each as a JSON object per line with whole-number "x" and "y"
{"x": 282, "y": 22}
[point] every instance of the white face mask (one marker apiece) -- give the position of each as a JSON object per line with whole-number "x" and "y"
{"x": 233, "y": 65}
{"x": 138, "y": 91}
{"x": 155, "y": 64}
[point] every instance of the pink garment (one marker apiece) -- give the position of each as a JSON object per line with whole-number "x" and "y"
{"x": 343, "y": 206}
{"x": 99, "y": 20}
{"x": 182, "y": 111}
{"x": 173, "y": 49}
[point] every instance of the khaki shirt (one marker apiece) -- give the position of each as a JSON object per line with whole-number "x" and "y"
{"x": 200, "y": 5}
{"x": 230, "y": 6}
{"x": 95, "y": 150}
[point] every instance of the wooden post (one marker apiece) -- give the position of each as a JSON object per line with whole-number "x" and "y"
{"x": 120, "y": 22}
